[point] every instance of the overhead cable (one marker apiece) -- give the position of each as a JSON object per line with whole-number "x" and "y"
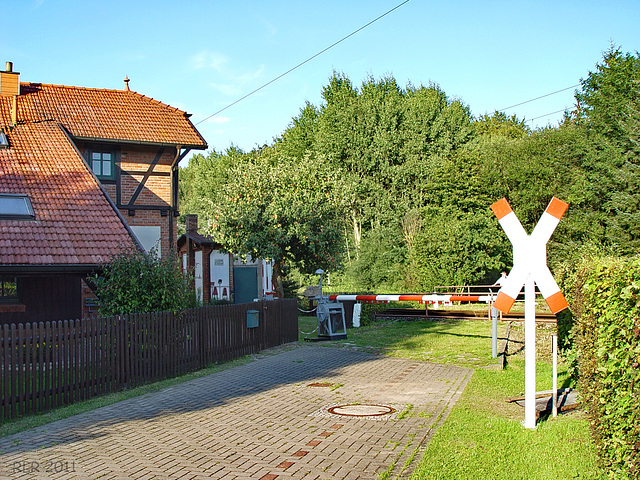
{"x": 547, "y": 114}
{"x": 538, "y": 98}
{"x": 302, "y": 63}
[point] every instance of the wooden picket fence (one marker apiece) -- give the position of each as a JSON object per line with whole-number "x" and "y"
{"x": 51, "y": 364}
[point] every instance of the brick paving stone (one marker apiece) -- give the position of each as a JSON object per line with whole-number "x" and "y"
{"x": 255, "y": 421}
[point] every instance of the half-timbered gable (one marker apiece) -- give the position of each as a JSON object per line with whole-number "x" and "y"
{"x": 133, "y": 145}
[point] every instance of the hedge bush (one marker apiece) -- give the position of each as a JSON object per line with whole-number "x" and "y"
{"x": 136, "y": 282}
{"x": 606, "y": 345}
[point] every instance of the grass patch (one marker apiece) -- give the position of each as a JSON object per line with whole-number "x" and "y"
{"x": 447, "y": 341}
{"x": 483, "y": 437}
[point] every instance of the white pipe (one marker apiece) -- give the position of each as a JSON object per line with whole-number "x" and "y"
{"x": 529, "y": 353}
{"x": 494, "y": 332}
{"x": 554, "y": 349}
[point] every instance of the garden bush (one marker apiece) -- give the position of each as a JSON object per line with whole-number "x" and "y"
{"x": 606, "y": 344}
{"x": 136, "y": 282}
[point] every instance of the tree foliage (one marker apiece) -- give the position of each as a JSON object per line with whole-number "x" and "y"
{"x": 288, "y": 211}
{"x": 136, "y": 282}
{"x": 411, "y": 168}
{"x": 502, "y": 125}
{"x": 457, "y": 248}
{"x": 608, "y": 92}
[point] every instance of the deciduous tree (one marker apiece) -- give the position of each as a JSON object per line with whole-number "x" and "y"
{"x": 288, "y": 212}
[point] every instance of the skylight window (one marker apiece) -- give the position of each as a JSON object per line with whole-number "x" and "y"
{"x": 4, "y": 142}
{"x": 15, "y": 207}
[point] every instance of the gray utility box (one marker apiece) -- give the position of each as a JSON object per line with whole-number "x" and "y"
{"x": 253, "y": 318}
{"x": 331, "y": 324}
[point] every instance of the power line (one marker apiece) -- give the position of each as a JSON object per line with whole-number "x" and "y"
{"x": 546, "y": 115}
{"x": 538, "y": 98}
{"x": 302, "y": 63}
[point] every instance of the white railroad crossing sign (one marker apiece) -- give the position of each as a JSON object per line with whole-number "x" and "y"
{"x": 530, "y": 255}
{"x": 529, "y": 266}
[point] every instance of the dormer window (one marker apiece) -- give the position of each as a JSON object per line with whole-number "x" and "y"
{"x": 15, "y": 207}
{"x": 4, "y": 142}
{"x": 103, "y": 164}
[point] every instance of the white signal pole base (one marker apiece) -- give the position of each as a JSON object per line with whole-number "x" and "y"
{"x": 529, "y": 353}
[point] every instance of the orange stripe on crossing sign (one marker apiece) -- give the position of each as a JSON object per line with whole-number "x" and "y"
{"x": 556, "y": 302}
{"x": 557, "y": 208}
{"x": 503, "y": 302}
{"x": 501, "y": 208}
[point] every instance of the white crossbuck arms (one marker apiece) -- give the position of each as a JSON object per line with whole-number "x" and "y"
{"x": 530, "y": 255}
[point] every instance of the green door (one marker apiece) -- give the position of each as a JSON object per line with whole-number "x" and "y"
{"x": 245, "y": 284}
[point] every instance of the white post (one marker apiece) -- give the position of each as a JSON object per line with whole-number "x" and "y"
{"x": 554, "y": 348}
{"x": 494, "y": 331}
{"x": 357, "y": 311}
{"x": 529, "y": 353}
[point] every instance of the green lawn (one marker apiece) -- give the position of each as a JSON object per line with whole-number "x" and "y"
{"x": 483, "y": 437}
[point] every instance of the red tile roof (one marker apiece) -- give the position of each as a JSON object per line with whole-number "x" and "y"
{"x": 109, "y": 115}
{"x": 75, "y": 224}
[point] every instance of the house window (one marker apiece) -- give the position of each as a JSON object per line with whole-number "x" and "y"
{"x": 15, "y": 207}
{"x": 102, "y": 164}
{"x": 8, "y": 289}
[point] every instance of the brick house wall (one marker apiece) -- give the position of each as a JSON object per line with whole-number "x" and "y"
{"x": 143, "y": 187}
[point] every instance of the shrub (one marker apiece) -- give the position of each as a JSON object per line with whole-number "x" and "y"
{"x": 135, "y": 282}
{"x": 606, "y": 304}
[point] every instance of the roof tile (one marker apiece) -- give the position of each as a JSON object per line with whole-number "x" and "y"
{"x": 43, "y": 163}
{"x": 102, "y": 114}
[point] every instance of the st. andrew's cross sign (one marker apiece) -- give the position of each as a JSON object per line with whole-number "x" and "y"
{"x": 530, "y": 255}
{"x": 529, "y": 266}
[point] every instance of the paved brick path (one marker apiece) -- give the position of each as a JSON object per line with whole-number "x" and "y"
{"x": 264, "y": 420}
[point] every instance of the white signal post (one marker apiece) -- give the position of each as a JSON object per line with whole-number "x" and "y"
{"x": 529, "y": 266}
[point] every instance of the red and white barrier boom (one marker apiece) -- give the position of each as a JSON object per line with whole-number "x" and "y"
{"x": 428, "y": 298}
{"x": 529, "y": 266}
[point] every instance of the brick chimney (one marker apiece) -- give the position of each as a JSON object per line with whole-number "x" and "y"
{"x": 10, "y": 87}
{"x": 9, "y": 81}
{"x": 191, "y": 221}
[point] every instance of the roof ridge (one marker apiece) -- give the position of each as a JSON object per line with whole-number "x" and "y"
{"x": 158, "y": 102}
{"x": 111, "y": 90}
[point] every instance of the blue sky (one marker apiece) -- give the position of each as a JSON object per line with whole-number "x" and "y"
{"x": 201, "y": 56}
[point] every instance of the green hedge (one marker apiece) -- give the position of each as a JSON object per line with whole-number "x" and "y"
{"x": 606, "y": 343}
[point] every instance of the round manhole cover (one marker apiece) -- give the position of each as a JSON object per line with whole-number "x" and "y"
{"x": 361, "y": 410}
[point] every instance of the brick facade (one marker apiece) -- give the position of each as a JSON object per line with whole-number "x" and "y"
{"x": 154, "y": 204}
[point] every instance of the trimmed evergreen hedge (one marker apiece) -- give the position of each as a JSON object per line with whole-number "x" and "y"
{"x": 606, "y": 345}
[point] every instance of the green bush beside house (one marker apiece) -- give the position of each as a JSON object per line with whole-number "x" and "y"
{"x": 136, "y": 282}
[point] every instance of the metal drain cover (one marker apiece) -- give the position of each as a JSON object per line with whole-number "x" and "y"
{"x": 361, "y": 410}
